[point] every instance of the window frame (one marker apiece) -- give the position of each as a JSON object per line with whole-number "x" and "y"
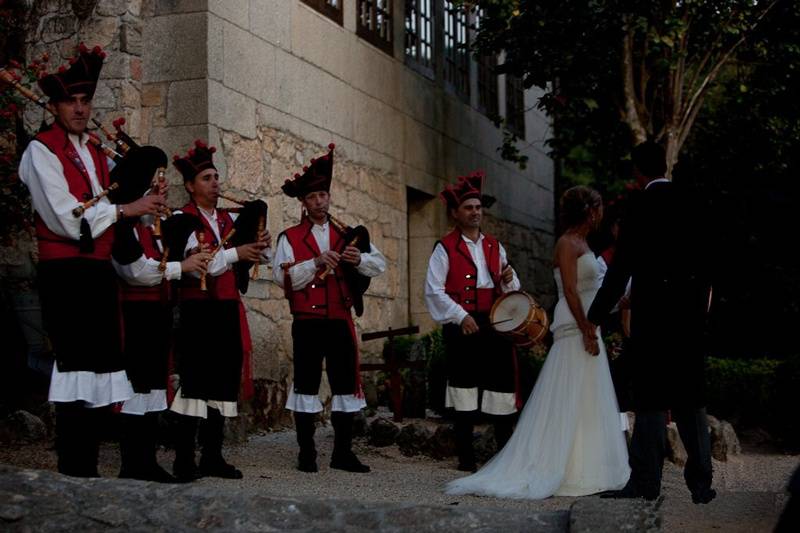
{"x": 458, "y": 16}
{"x": 515, "y": 118}
{"x": 336, "y": 14}
{"x": 371, "y": 35}
{"x": 412, "y": 9}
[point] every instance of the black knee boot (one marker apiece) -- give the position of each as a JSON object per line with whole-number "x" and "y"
{"x": 463, "y": 427}
{"x": 503, "y": 428}
{"x": 149, "y": 445}
{"x": 68, "y": 430}
{"x": 305, "y": 425}
{"x": 343, "y": 457}
{"x": 184, "y": 468}
{"x": 130, "y": 446}
{"x": 212, "y": 433}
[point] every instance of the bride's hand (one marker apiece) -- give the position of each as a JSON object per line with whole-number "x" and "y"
{"x": 591, "y": 344}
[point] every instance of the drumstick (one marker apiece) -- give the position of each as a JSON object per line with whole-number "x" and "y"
{"x": 501, "y": 321}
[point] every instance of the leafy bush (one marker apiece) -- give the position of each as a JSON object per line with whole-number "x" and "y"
{"x": 756, "y": 393}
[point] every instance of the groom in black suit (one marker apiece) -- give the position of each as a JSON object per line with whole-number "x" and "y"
{"x": 662, "y": 250}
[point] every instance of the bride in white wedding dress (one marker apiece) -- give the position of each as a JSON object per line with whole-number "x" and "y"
{"x": 569, "y": 439}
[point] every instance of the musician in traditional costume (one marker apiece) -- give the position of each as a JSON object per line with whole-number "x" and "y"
{"x": 141, "y": 256}
{"x": 77, "y": 283}
{"x": 214, "y": 347}
{"x": 467, "y": 272}
{"x": 322, "y": 268}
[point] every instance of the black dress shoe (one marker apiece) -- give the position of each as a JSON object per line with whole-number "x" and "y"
{"x": 184, "y": 471}
{"x": 704, "y": 496}
{"x": 349, "y": 463}
{"x": 218, "y": 468}
{"x": 307, "y": 463}
{"x": 467, "y": 467}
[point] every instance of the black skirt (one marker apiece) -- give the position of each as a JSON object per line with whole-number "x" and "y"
{"x": 485, "y": 360}
{"x": 209, "y": 354}
{"x": 81, "y": 313}
{"x": 148, "y": 337}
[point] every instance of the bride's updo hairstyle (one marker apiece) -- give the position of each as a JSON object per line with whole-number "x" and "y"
{"x": 576, "y": 205}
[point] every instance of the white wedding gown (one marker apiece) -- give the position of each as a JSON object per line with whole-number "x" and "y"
{"x": 569, "y": 439}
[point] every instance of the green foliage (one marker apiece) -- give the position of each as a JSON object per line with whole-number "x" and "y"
{"x": 756, "y": 393}
{"x": 573, "y": 51}
{"x": 15, "y": 207}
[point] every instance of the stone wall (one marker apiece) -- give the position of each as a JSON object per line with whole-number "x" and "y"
{"x": 271, "y": 83}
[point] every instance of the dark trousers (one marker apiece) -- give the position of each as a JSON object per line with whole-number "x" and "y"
{"x": 649, "y": 448}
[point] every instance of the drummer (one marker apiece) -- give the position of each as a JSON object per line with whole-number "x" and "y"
{"x": 467, "y": 272}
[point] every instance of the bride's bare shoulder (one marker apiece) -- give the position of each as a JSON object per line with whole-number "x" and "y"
{"x": 567, "y": 249}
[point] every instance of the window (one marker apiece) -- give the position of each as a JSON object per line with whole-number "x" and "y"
{"x": 487, "y": 85}
{"x": 515, "y": 106}
{"x": 487, "y": 78}
{"x": 456, "y": 56}
{"x": 374, "y": 23}
{"x": 330, "y": 8}
{"x": 419, "y": 33}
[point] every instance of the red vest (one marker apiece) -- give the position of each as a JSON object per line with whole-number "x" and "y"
{"x": 52, "y": 245}
{"x": 136, "y": 293}
{"x": 319, "y": 299}
{"x": 222, "y": 287}
{"x": 462, "y": 276}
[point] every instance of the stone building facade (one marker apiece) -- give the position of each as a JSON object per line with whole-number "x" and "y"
{"x": 272, "y": 82}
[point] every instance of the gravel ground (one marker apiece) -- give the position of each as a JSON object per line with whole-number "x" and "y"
{"x": 750, "y": 486}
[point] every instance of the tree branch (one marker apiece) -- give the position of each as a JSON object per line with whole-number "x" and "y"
{"x": 630, "y": 114}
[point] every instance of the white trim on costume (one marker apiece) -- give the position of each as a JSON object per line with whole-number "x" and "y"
{"x": 97, "y": 390}
{"x": 462, "y": 399}
{"x": 303, "y": 403}
{"x": 199, "y": 408}
{"x": 149, "y": 402}
{"x": 347, "y": 403}
{"x": 498, "y": 403}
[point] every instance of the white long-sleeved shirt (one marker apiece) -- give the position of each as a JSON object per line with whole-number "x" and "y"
{"x": 42, "y": 172}
{"x": 144, "y": 272}
{"x": 372, "y": 264}
{"x": 444, "y": 309}
{"x": 225, "y": 259}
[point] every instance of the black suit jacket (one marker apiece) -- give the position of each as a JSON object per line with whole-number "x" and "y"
{"x": 664, "y": 250}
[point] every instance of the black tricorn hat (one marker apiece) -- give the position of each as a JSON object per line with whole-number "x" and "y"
{"x": 79, "y": 77}
{"x": 196, "y": 160}
{"x": 465, "y": 188}
{"x": 316, "y": 176}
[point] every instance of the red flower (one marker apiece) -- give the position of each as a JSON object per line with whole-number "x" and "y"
{"x": 14, "y": 63}
{"x": 331, "y": 146}
{"x": 62, "y": 69}
{"x": 191, "y": 152}
{"x": 213, "y": 149}
{"x": 176, "y": 157}
{"x": 12, "y": 107}
{"x": 82, "y": 48}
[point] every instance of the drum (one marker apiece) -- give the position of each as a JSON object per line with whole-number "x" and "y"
{"x": 517, "y": 315}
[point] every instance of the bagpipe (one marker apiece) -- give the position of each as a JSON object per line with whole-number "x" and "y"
{"x": 358, "y": 283}
{"x": 251, "y": 222}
